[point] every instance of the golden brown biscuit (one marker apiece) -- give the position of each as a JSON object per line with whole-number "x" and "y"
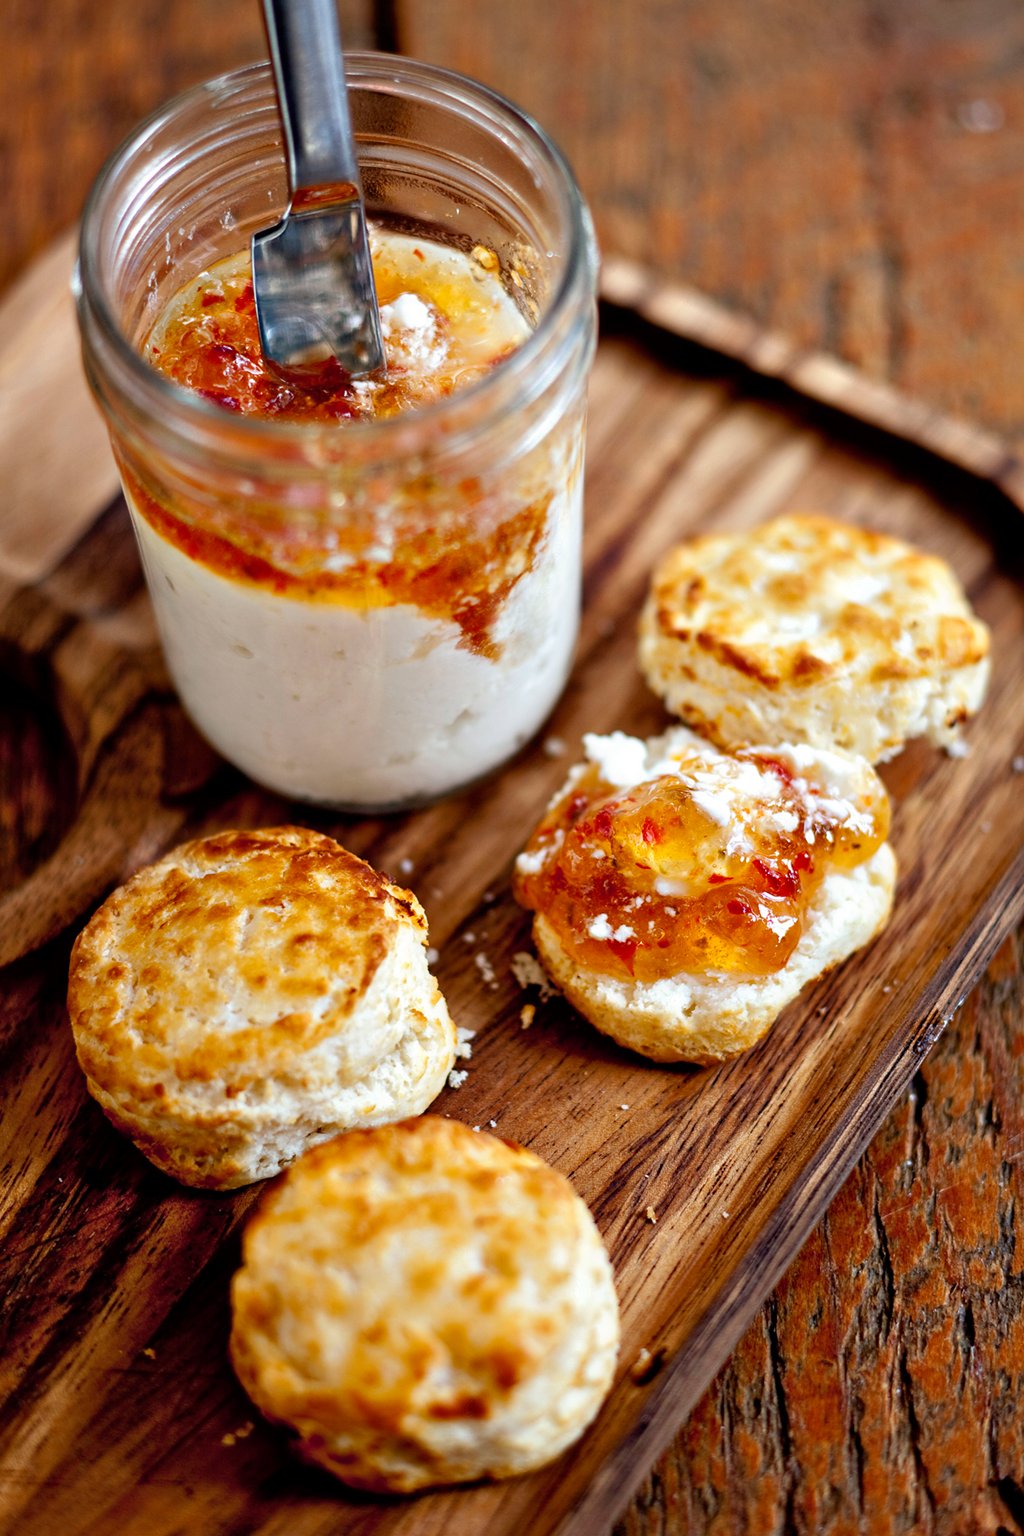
{"x": 425, "y": 1304}
{"x": 683, "y": 895}
{"x": 251, "y": 994}
{"x": 807, "y": 629}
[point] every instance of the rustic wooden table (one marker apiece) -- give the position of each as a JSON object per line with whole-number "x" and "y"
{"x": 854, "y": 176}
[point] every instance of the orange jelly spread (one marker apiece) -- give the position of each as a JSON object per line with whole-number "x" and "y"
{"x": 453, "y": 549}
{"x": 445, "y": 319}
{"x": 707, "y": 866}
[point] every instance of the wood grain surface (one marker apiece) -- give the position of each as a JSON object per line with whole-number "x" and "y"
{"x": 851, "y": 176}
{"x": 119, "y": 1406}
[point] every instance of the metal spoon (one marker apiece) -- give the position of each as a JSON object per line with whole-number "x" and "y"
{"x": 316, "y": 304}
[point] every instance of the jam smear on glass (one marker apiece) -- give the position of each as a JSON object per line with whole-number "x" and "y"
{"x": 447, "y": 322}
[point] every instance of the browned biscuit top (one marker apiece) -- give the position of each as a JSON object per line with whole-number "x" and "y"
{"x": 415, "y": 1269}
{"x": 803, "y": 598}
{"x": 229, "y": 957}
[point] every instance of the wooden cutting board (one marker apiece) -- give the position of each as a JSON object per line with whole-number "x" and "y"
{"x": 119, "y": 1411}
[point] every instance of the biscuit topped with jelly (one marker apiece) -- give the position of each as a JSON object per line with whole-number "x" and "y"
{"x": 808, "y": 629}
{"x": 682, "y": 895}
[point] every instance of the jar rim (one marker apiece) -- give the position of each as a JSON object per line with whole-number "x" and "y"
{"x": 516, "y": 373}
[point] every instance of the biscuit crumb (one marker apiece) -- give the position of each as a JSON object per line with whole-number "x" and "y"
{"x": 228, "y": 1439}
{"x": 493, "y": 1124}
{"x": 554, "y": 746}
{"x": 463, "y": 1041}
{"x": 469, "y": 937}
{"x": 646, "y": 1366}
{"x": 529, "y": 972}
{"x": 623, "y": 1106}
{"x": 1018, "y": 764}
{"x": 527, "y": 1014}
{"x": 486, "y": 969}
{"x": 433, "y": 956}
{"x": 150, "y": 1354}
{"x": 406, "y": 866}
{"x": 651, "y": 1214}
{"x": 456, "y": 1078}
{"x": 958, "y": 748}
{"x": 725, "y": 1215}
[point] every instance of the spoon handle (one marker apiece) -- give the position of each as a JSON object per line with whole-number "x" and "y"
{"x": 309, "y": 68}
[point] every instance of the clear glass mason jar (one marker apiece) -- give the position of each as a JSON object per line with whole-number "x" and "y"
{"x": 369, "y": 614}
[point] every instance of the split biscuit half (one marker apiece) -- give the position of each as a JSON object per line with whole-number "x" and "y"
{"x": 705, "y": 864}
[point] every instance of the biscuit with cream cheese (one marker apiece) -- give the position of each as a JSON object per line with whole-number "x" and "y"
{"x": 682, "y": 895}
{"x": 424, "y": 1304}
{"x": 251, "y": 994}
{"x": 808, "y": 629}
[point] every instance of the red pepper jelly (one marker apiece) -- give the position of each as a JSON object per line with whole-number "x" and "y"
{"x": 706, "y": 864}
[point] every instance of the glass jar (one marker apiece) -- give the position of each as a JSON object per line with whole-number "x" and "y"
{"x": 373, "y": 613}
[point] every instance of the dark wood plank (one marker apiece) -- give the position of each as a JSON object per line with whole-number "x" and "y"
{"x": 78, "y": 78}
{"x": 849, "y": 174}
{"x": 880, "y": 1389}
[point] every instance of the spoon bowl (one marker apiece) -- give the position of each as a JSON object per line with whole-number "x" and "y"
{"x": 316, "y": 304}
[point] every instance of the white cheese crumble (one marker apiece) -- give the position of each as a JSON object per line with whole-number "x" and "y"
{"x": 620, "y": 759}
{"x": 715, "y": 806}
{"x": 411, "y": 333}
{"x": 533, "y": 863}
{"x": 601, "y": 928}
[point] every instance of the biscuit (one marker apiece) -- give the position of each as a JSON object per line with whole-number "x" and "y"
{"x": 807, "y": 629}
{"x": 251, "y": 994}
{"x": 720, "y": 896}
{"x": 425, "y": 1304}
